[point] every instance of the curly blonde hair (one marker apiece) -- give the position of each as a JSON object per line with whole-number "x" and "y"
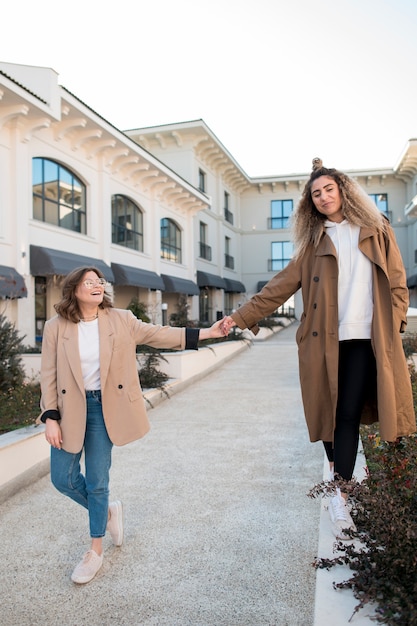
{"x": 68, "y": 307}
{"x": 358, "y": 208}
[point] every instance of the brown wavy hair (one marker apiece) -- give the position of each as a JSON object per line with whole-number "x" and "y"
{"x": 67, "y": 307}
{"x": 357, "y": 207}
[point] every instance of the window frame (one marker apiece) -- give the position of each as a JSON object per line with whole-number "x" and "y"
{"x": 205, "y": 249}
{"x": 202, "y": 180}
{"x": 374, "y": 198}
{"x": 172, "y": 251}
{"x": 278, "y": 262}
{"x": 229, "y": 260}
{"x": 134, "y": 233}
{"x": 279, "y": 216}
{"x": 54, "y": 202}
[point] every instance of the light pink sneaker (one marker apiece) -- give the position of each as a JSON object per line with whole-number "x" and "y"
{"x": 115, "y": 523}
{"x": 87, "y": 568}
{"x": 340, "y": 517}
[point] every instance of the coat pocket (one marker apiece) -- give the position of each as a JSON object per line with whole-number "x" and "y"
{"x": 135, "y": 395}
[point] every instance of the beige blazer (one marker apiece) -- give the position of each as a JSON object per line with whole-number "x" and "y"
{"x": 123, "y": 405}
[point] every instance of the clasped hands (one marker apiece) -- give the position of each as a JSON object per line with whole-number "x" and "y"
{"x": 221, "y": 328}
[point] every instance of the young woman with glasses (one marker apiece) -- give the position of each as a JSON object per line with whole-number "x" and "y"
{"x": 91, "y": 396}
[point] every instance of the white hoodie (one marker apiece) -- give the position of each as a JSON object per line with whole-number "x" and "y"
{"x": 355, "y": 300}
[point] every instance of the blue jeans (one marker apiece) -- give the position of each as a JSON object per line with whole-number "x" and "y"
{"x": 91, "y": 490}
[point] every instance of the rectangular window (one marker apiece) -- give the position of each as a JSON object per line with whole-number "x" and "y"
{"x": 203, "y": 232}
{"x": 280, "y": 212}
{"x": 381, "y": 201}
{"x": 281, "y": 254}
{"x": 229, "y": 261}
{"x": 201, "y": 180}
{"x": 227, "y": 245}
{"x": 228, "y": 303}
{"x": 205, "y": 305}
{"x": 228, "y": 215}
{"x": 205, "y": 250}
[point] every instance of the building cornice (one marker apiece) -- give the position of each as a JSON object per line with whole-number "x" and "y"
{"x": 406, "y": 166}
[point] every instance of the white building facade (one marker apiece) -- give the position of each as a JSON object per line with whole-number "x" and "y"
{"x": 163, "y": 211}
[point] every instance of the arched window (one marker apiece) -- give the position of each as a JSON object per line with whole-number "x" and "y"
{"x": 58, "y": 195}
{"x": 170, "y": 241}
{"x": 127, "y": 223}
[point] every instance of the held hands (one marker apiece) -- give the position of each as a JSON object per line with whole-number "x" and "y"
{"x": 227, "y": 324}
{"x": 53, "y": 433}
{"x": 220, "y": 328}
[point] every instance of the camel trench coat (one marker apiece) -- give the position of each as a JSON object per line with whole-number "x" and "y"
{"x": 62, "y": 387}
{"x": 316, "y": 273}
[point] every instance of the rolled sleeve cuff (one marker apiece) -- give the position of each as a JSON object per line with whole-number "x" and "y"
{"x": 51, "y": 414}
{"x": 191, "y": 338}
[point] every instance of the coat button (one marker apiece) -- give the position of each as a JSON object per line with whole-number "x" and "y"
{"x": 120, "y": 386}
{"x": 315, "y": 333}
{"x": 64, "y": 391}
{"x": 316, "y": 279}
{"x": 315, "y": 305}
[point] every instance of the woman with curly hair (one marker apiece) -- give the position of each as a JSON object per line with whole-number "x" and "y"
{"x": 91, "y": 397}
{"x": 355, "y": 300}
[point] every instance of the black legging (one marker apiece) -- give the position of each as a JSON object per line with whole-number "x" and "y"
{"x": 357, "y": 372}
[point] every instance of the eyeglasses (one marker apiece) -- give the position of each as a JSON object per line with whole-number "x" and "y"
{"x": 102, "y": 282}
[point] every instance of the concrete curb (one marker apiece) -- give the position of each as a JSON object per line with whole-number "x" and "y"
{"x": 337, "y": 607}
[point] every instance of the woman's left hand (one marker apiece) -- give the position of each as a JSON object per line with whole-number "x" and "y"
{"x": 215, "y": 331}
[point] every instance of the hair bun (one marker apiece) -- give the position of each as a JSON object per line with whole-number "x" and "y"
{"x": 317, "y": 164}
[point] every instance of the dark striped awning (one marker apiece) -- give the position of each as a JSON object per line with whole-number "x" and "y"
{"x": 12, "y": 284}
{"x": 204, "y": 279}
{"x": 173, "y": 284}
{"x": 49, "y": 262}
{"x": 125, "y": 275}
{"x": 234, "y": 286}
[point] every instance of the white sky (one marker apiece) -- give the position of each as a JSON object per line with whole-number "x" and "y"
{"x": 278, "y": 81}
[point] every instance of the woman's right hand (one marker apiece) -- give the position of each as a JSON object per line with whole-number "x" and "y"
{"x": 227, "y": 323}
{"x": 53, "y": 434}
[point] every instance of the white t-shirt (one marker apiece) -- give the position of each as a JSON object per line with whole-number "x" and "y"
{"x": 89, "y": 348}
{"x": 355, "y": 294}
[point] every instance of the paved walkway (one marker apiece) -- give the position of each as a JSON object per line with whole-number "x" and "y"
{"x": 218, "y": 530}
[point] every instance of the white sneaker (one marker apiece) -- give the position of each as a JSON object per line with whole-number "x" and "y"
{"x": 115, "y": 523}
{"x": 87, "y": 568}
{"x": 340, "y": 517}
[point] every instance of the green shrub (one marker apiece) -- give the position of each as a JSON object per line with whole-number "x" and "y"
{"x": 19, "y": 406}
{"x": 139, "y": 310}
{"x": 149, "y": 374}
{"x": 410, "y": 344}
{"x": 269, "y": 322}
{"x": 180, "y": 318}
{"x": 11, "y": 348}
{"x": 19, "y": 401}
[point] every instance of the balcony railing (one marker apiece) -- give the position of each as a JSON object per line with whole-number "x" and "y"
{"x": 274, "y": 223}
{"x": 228, "y": 216}
{"x": 205, "y": 251}
{"x": 229, "y": 262}
{"x": 276, "y": 265}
